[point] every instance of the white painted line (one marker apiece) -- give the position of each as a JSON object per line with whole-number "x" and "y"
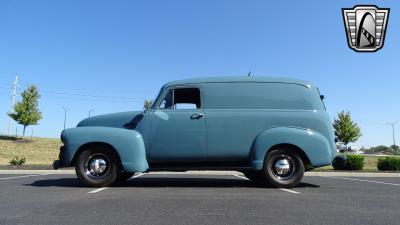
{"x": 244, "y": 178}
{"x": 97, "y": 190}
{"x": 104, "y": 188}
{"x": 35, "y": 175}
{"x": 369, "y": 181}
{"x": 139, "y": 175}
{"x": 290, "y": 191}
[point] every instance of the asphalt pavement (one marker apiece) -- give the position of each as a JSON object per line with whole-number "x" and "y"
{"x": 202, "y": 198}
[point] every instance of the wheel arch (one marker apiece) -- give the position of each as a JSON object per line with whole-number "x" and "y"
{"x": 94, "y": 144}
{"x": 295, "y": 149}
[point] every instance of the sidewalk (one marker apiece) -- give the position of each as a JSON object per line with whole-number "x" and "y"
{"x": 307, "y": 174}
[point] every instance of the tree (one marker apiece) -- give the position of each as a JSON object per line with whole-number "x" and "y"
{"x": 346, "y": 130}
{"x": 395, "y": 147}
{"x": 26, "y": 112}
{"x": 147, "y": 104}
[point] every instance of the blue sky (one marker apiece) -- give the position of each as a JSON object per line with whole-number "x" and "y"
{"x": 76, "y": 51}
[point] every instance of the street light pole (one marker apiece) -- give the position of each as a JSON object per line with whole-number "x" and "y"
{"x": 65, "y": 115}
{"x": 394, "y": 139}
{"x": 90, "y": 111}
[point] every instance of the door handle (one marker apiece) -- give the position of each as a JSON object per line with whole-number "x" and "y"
{"x": 196, "y": 116}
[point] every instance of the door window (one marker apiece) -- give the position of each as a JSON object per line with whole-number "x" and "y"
{"x": 181, "y": 98}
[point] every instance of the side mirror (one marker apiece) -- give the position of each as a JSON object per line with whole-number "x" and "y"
{"x": 322, "y": 97}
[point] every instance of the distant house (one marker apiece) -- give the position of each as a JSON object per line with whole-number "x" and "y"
{"x": 350, "y": 149}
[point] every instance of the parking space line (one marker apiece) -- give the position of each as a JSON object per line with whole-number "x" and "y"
{"x": 244, "y": 178}
{"x": 369, "y": 181}
{"x": 136, "y": 176}
{"x": 104, "y": 188}
{"x": 290, "y": 191}
{"x": 34, "y": 175}
{"x": 97, "y": 190}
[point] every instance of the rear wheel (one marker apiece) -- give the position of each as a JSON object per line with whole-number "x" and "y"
{"x": 97, "y": 166}
{"x": 283, "y": 168}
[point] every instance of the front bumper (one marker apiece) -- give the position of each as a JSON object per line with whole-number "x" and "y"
{"x": 60, "y": 163}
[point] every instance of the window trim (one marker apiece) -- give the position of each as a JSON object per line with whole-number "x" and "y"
{"x": 166, "y": 90}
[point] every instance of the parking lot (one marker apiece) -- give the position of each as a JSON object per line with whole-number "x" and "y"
{"x": 198, "y": 198}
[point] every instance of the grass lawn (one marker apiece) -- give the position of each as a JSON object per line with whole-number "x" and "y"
{"x": 40, "y": 151}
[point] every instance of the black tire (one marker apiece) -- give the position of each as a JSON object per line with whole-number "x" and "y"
{"x": 90, "y": 169}
{"x": 124, "y": 176}
{"x": 291, "y": 168}
{"x": 255, "y": 176}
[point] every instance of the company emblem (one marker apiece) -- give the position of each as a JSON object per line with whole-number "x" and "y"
{"x": 365, "y": 27}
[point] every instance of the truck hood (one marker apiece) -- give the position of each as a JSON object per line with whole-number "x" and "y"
{"x": 127, "y": 120}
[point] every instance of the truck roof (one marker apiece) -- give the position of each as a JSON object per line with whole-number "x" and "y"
{"x": 238, "y": 79}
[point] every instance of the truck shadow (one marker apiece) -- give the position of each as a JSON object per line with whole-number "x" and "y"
{"x": 170, "y": 182}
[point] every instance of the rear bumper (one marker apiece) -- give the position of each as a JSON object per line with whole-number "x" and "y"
{"x": 60, "y": 163}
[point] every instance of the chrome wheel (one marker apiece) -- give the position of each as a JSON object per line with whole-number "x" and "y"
{"x": 283, "y": 167}
{"x": 97, "y": 166}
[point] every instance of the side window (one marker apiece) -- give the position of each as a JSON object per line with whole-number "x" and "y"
{"x": 181, "y": 98}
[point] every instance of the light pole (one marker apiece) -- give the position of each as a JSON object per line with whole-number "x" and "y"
{"x": 394, "y": 140}
{"x": 65, "y": 115}
{"x": 90, "y": 111}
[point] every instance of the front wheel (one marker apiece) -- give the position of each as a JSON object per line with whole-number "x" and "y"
{"x": 283, "y": 168}
{"x": 97, "y": 166}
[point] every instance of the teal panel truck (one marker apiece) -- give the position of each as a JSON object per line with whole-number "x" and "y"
{"x": 271, "y": 129}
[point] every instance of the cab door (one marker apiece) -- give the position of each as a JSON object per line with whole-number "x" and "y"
{"x": 178, "y": 128}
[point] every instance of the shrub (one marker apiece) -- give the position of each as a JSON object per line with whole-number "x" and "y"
{"x": 389, "y": 163}
{"x": 16, "y": 161}
{"x": 348, "y": 162}
{"x": 355, "y": 162}
{"x": 339, "y": 163}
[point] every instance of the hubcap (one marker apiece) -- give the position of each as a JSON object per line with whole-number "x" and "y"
{"x": 283, "y": 167}
{"x": 97, "y": 166}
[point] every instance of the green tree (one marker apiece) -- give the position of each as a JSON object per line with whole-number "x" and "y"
{"x": 147, "y": 104}
{"x": 26, "y": 112}
{"x": 346, "y": 130}
{"x": 395, "y": 147}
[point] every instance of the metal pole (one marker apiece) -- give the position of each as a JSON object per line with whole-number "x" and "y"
{"x": 90, "y": 111}
{"x": 65, "y": 115}
{"x": 14, "y": 92}
{"x": 394, "y": 139}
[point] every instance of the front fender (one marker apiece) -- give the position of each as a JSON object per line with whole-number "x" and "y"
{"x": 316, "y": 146}
{"x": 127, "y": 143}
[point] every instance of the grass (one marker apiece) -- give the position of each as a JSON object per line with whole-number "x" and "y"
{"x": 39, "y": 152}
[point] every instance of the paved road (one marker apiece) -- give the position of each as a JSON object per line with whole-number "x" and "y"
{"x": 198, "y": 199}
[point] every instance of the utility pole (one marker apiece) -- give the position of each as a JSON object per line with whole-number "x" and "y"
{"x": 13, "y": 95}
{"x": 90, "y": 111}
{"x": 65, "y": 115}
{"x": 394, "y": 140}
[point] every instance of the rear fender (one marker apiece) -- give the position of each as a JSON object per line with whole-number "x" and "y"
{"x": 314, "y": 145}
